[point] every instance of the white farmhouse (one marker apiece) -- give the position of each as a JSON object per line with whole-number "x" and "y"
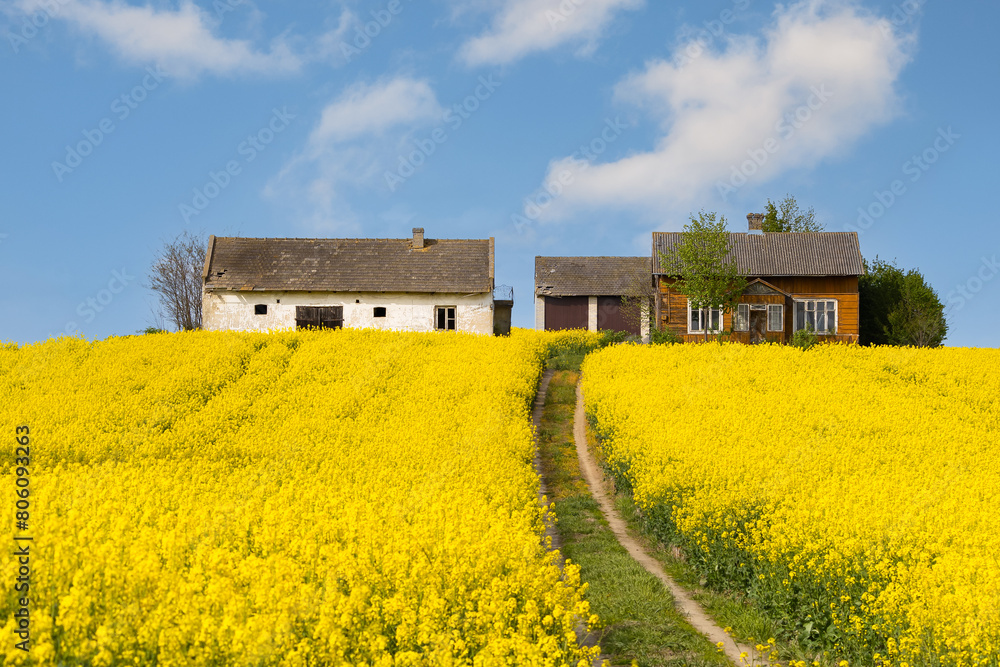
{"x": 415, "y": 284}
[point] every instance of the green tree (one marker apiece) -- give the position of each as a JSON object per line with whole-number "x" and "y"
{"x": 918, "y": 319}
{"x": 701, "y": 264}
{"x": 786, "y": 217}
{"x": 898, "y": 308}
{"x": 879, "y": 290}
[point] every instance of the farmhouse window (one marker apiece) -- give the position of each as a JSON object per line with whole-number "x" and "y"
{"x": 821, "y": 316}
{"x": 444, "y": 318}
{"x": 379, "y": 311}
{"x": 775, "y": 317}
{"x": 742, "y": 320}
{"x": 698, "y": 319}
{"x": 260, "y": 309}
{"x": 319, "y": 317}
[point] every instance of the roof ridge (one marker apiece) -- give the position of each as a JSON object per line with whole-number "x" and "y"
{"x": 296, "y": 238}
{"x": 591, "y": 257}
{"x": 770, "y": 234}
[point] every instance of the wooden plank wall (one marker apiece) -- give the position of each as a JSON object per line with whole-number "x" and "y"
{"x": 672, "y": 309}
{"x": 672, "y": 306}
{"x": 816, "y": 284}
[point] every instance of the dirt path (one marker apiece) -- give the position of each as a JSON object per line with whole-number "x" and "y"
{"x": 691, "y": 609}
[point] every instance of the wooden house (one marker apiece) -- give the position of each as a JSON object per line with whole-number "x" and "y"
{"x": 794, "y": 280}
{"x": 411, "y": 284}
{"x": 586, "y": 293}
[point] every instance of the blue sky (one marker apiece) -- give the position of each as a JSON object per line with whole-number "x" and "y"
{"x": 560, "y": 127}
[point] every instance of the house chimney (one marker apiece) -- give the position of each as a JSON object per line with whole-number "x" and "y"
{"x": 418, "y": 237}
{"x": 755, "y": 222}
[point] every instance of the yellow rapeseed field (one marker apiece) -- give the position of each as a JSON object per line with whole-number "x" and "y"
{"x": 296, "y": 498}
{"x": 852, "y": 492}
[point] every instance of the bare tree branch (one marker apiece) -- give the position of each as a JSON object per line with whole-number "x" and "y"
{"x": 638, "y": 302}
{"x": 176, "y": 277}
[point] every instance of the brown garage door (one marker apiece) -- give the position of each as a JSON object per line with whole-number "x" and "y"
{"x": 566, "y": 312}
{"x": 610, "y": 316}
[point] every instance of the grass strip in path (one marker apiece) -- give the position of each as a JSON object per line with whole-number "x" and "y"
{"x": 641, "y": 624}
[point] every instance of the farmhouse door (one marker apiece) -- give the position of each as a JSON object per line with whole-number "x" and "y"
{"x": 758, "y": 325}
{"x": 320, "y": 317}
{"x": 610, "y": 316}
{"x": 567, "y": 312}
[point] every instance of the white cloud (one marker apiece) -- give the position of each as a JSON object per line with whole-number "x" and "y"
{"x": 371, "y": 109}
{"x": 521, "y": 27}
{"x": 330, "y": 45}
{"x": 181, "y": 41}
{"x": 357, "y": 136}
{"x": 830, "y": 63}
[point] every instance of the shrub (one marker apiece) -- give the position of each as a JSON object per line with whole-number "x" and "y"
{"x": 804, "y": 338}
{"x": 664, "y": 336}
{"x": 611, "y": 337}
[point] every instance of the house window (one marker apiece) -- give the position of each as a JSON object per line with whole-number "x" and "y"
{"x": 379, "y": 311}
{"x": 698, "y": 320}
{"x": 319, "y": 317}
{"x": 775, "y": 317}
{"x": 742, "y": 320}
{"x": 820, "y": 315}
{"x": 260, "y": 309}
{"x": 444, "y": 318}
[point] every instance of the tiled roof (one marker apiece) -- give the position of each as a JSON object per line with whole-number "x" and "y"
{"x": 784, "y": 254}
{"x": 589, "y": 276}
{"x": 350, "y": 265}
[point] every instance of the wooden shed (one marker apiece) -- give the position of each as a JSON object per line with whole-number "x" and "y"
{"x": 586, "y": 292}
{"x": 795, "y": 280}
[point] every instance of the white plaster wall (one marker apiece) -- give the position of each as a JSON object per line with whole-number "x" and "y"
{"x": 592, "y": 313}
{"x": 539, "y": 313}
{"x": 225, "y": 310}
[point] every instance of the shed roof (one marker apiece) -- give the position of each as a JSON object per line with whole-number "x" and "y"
{"x": 783, "y": 254}
{"x": 589, "y": 276}
{"x": 350, "y": 265}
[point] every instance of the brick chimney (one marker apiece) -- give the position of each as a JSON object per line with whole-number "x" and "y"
{"x": 755, "y": 222}
{"x": 418, "y": 237}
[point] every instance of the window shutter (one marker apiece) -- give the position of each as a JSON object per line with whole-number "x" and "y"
{"x": 331, "y": 317}
{"x": 305, "y": 316}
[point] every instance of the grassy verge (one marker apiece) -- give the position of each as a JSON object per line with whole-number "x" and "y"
{"x": 640, "y": 623}
{"x": 729, "y": 609}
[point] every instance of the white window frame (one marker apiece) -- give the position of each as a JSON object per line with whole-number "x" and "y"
{"x": 741, "y": 318}
{"x": 692, "y": 330}
{"x": 781, "y": 317}
{"x": 798, "y": 324}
